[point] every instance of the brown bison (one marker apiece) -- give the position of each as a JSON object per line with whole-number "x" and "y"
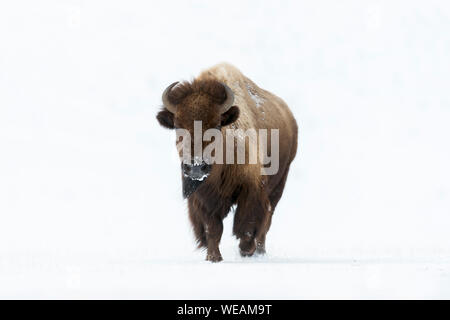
{"x": 222, "y": 98}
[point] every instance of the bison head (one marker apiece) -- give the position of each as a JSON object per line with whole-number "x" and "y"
{"x": 207, "y": 102}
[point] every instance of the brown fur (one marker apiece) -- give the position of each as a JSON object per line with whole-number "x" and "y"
{"x": 255, "y": 195}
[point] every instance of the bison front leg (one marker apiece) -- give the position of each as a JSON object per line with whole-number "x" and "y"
{"x": 207, "y": 226}
{"x": 250, "y": 222}
{"x": 213, "y": 230}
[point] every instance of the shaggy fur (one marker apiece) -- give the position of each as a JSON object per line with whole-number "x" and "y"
{"x": 255, "y": 196}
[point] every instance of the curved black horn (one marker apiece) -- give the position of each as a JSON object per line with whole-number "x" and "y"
{"x": 229, "y": 100}
{"x": 172, "y": 108}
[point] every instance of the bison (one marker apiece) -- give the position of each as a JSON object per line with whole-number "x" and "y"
{"x": 222, "y": 98}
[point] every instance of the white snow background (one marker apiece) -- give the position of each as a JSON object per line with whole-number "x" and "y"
{"x": 90, "y": 190}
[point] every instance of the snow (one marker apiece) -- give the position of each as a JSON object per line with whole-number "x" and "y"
{"x": 201, "y": 178}
{"x": 257, "y": 99}
{"x": 90, "y": 188}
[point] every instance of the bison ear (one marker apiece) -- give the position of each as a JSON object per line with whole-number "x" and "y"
{"x": 165, "y": 119}
{"x": 230, "y": 116}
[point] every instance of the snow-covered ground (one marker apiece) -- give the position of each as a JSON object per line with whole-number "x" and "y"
{"x": 90, "y": 193}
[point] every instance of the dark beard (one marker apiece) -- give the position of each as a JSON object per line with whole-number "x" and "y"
{"x": 189, "y": 186}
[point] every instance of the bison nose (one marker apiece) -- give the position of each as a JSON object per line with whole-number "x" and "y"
{"x": 196, "y": 171}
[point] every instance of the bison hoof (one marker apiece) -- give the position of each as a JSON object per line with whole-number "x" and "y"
{"x": 247, "y": 248}
{"x": 246, "y": 253}
{"x": 213, "y": 258}
{"x": 260, "y": 248}
{"x": 260, "y": 251}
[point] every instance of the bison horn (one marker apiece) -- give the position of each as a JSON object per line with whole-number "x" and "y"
{"x": 169, "y": 106}
{"x": 229, "y": 100}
